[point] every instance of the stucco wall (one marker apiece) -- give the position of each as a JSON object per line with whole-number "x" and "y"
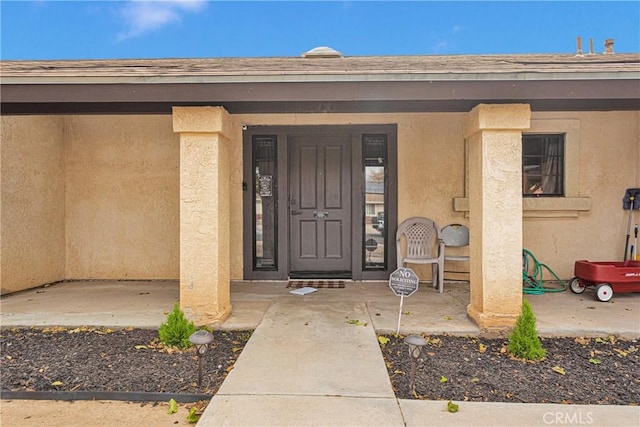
{"x": 122, "y": 197}
{"x": 430, "y": 159}
{"x": 32, "y": 204}
{"x": 609, "y": 163}
{"x": 122, "y": 190}
{"x": 431, "y": 173}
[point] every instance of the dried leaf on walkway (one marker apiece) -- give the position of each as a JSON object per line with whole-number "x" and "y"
{"x": 173, "y": 406}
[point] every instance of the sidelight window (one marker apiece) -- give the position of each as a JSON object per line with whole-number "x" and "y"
{"x": 375, "y": 199}
{"x": 265, "y": 203}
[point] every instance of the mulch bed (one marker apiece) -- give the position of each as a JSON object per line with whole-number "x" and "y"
{"x": 596, "y": 371}
{"x": 127, "y": 360}
{"x": 575, "y": 370}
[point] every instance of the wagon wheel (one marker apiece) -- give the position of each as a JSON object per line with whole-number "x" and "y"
{"x": 604, "y": 292}
{"x": 575, "y": 286}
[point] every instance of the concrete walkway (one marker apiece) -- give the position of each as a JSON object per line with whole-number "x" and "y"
{"x": 315, "y": 363}
{"x": 315, "y": 360}
{"x": 307, "y": 365}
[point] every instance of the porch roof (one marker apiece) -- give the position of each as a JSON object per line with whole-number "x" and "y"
{"x": 346, "y": 84}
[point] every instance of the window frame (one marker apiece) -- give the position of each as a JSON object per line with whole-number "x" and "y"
{"x": 543, "y": 138}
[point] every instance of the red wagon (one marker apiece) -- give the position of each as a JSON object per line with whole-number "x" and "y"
{"x": 607, "y": 276}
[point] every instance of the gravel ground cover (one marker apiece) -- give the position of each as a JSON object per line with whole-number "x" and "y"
{"x": 128, "y": 360}
{"x": 575, "y": 370}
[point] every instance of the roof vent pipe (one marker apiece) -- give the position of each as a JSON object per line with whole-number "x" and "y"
{"x": 608, "y": 46}
{"x": 579, "y": 46}
{"x": 591, "y": 52}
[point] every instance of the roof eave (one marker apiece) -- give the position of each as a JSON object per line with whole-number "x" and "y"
{"x": 333, "y": 77}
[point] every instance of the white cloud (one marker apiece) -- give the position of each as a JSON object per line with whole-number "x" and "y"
{"x": 143, "y": 16}
{"x": 439, "y": 47}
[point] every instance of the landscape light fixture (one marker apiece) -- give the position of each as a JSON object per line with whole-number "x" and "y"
{"x": 201, "y": 340}
{"x": 415, "y": 343}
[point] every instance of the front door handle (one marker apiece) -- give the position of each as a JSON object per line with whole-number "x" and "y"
{"x": 296, "y": 212}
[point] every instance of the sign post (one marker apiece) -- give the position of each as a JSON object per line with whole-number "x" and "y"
{"x": 404, "y": 283}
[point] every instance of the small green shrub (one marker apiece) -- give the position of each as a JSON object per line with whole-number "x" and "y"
{"x": 177, "y": 329}
{"x": 523, "y": 340}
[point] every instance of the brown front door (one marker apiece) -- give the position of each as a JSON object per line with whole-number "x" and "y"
{"x": 320, "y": 205}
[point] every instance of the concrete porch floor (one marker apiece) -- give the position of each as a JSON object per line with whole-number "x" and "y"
{"x": 144, "y": 304}
{"x": 345, "y": 390}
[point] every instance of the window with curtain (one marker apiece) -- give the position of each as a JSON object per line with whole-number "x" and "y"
{"x": 543, "y": 165}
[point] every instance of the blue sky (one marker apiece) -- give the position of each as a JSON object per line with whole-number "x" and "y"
{"x": 50, "y": 29}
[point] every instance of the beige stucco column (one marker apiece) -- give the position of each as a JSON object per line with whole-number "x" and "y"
{"x": 494, "y": 137}
{"x": 204, "y": 212}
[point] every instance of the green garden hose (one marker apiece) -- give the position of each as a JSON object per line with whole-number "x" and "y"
{"x": 533, "y": 276}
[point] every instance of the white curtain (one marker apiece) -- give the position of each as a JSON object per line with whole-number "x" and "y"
{"x": 551, "y": 167}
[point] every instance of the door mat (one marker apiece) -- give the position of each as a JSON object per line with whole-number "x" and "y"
{"x": 318, "y": 284}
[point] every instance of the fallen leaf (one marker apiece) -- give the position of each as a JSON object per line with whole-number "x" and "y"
{"x": 443, "y": 379}
{"x": 559, "y": 370}
{"x": 140, "y": 347}
{"x": 173, "y": 406}
{"x": 356, "y": 322}
{"x": 193, "y": 416}
{"x": 57, "y": 383}
{"x": 399, "y": 372}
{"x": 482, "y": 348}
{"x": 418, "y": 396}
{"x": 475, "y": 380}
{"x": 383, "y": 340}
{"x": 54, "y": 330}
{"x": 595, "y": 361}
{"x": 452, "y": 407}
{"x": 582, "y": 341}
{"x": 407, "y": 312}
{"x": 621, "y": 353}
